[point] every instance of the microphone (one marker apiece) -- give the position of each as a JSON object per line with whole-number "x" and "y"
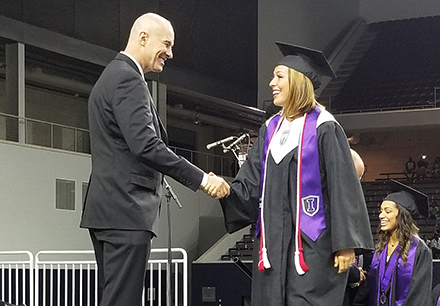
{"x": 217, "y": 143}
{"x": 239, "y": 139}
{"x": 172, "y": 194}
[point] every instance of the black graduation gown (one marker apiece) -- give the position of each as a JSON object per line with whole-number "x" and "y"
{"x": 419, "y": 291}
{"x": 435, "y": 295}
{"x": 347, "y": 223}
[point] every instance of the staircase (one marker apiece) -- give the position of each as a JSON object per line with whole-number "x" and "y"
{"x": 346, "y": 69}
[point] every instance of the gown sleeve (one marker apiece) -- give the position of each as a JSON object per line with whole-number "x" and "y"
{"x": 350, "y": 225}
{"x": 354, "y": 275}
{"x": 241, "y": 207}
{"x": 419, "y": 291}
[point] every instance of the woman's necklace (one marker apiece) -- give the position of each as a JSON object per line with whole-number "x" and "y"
{"x": 391, "y": 247}
{"x": 393, "y": 242}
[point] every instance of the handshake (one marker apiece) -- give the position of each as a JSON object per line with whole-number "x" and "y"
{"x": 216, "y": 187}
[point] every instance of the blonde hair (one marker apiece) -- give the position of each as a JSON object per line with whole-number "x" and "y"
{"x": 301, "y": 97}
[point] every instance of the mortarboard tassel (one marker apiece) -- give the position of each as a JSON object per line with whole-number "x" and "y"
{"x": 300, "y": 263}
{"x": 263, "y": 263}
{"x": 263, "y": 260}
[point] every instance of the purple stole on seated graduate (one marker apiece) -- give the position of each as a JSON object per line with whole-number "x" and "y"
{"x": 385, "y": 280}
{"x": 310, "y": 206}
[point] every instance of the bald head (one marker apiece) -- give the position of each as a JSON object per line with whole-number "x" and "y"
{"x": 150, "y": 42}
{"x": 358, "y": 163}
{"x": 149, "y": 22}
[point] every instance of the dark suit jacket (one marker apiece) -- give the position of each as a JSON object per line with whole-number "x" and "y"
{"x": 358, "y": 296}
{"x": 129, "y": 153}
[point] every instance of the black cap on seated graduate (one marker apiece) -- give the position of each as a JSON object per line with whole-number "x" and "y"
{"x": 312, "y": 63}
{"x": 409, "y": 198}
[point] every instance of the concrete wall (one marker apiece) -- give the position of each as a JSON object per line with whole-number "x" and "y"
{"x": 27, "y": 199}
{"x": 29, "y": 220}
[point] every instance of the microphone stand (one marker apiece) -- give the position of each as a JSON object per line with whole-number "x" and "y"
{"x": 241, "y": 158}
{"x": 170, "y": 194}
{"x": 234, "y": 148}
{"x": 242, "y": 267}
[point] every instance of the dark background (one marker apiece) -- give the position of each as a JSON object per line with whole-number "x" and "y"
{"x": 217, "y": 39}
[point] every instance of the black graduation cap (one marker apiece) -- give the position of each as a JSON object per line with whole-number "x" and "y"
{"x": 312, "y": 63}
{"x": 409, "y": 198}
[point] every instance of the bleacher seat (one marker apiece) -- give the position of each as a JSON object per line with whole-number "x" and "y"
{"x": 399, "y": 70}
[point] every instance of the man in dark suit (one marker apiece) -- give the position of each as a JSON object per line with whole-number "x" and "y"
{"x": 356, "y": 293}
{"x": 129, "y": 159}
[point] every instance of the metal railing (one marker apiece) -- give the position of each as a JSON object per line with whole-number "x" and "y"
{"x": 17, "y": 277}
{"x": 70, "y": 278}
{"x": 220, "y": 165}
{"x": 63, "y": 281}
{"x": 57, "y": 136}
{"x": 436, "y": 95}
{"x": 45, "y": 134}
{"x": 179, "y": 285}
{"x": 326, "y": 101}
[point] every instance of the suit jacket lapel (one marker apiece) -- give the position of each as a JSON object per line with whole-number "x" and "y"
{"x": 162, "y": 133}
{"x": 158, "y": 125}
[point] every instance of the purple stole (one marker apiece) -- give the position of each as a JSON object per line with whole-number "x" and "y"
{"x": 309, "y": 180}
{"x": 310, "y": 206}
{"x": 385, "y": 278}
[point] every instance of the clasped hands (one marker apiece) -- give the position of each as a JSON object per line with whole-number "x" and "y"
{"x": 216, "y": 187}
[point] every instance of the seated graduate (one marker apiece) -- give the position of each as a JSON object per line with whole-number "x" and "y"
{"x": 300, "y": 185}
{"x": 401, "y": 268}
{"x": 435, "y": 296}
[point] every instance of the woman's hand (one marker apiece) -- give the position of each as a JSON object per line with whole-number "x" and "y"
{"x": 344, "y": 259}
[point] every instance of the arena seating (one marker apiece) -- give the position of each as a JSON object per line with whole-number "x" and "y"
{"x": 393, "y": 66}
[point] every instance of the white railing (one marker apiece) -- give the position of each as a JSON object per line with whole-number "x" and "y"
{"x": 66, "y": 278}
{"x": 69, "y": 278}
{"x": 179, "y": 284}
{"x": 17, "y": 277}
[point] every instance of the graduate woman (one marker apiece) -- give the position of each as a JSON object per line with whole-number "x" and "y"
{"x": 401, "y": 269}
{"x": 300, "y": 185}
